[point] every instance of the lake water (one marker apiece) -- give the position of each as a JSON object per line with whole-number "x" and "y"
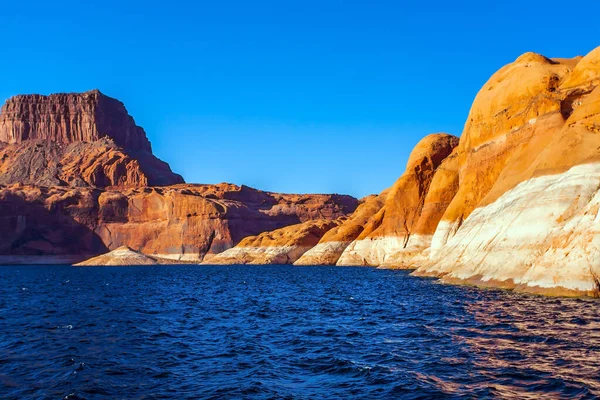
{"x": 285, "y": 332}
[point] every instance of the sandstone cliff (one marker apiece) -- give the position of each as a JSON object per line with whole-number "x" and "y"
{"x": 526, "y": 212}
{"x": 406, "y": 222}
{"x": 181, "y": 222}
{"x": 334, "y": 242}
{"x": 68, "y": 118}
{"x": 76, "y": 139}
{"x": 515, "y": 204}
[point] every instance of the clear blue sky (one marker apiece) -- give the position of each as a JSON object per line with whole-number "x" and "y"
{"x": 292, "y": 96}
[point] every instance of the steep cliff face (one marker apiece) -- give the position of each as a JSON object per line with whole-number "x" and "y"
{"x": 181, "y": 222}
{"x": 77, "y": 139}
{"x": 70, "y": 117}
{"x": 282, "y": 246}
{"x": 526, "y": 212}
{"x": 397, "y": 227}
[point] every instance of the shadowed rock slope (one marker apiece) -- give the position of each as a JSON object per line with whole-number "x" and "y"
{"x": 181, "y": 222}
{"x": 76, "y": 139}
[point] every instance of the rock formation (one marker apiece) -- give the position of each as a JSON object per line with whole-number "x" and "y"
{"x": 120, "y": 256}
{"x": 181, "y": 222}
{"x": 78, "y": 178}
{"x": 405, "y": 223}
{"x": 334, "y": 242}
{"x": 76, "y": 139}
{"x": 282, "y": 246}
{"x": 70, "y": 117}
{"x": 526, "y": 212}
{"x": 516, "y": 204}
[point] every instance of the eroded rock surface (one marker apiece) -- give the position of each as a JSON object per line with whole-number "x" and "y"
{"x": 406, "y": 221}
{"x": 120, "y": 256}
{"x": 181, "y": 222}
{"x": 526, "y": 212}
{"x": 76, "y": 139}
{"x": 282, "y": 246}
{"x": 70, "y": 117}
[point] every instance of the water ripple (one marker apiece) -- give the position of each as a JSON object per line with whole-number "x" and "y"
{"x": 285, "y": 332}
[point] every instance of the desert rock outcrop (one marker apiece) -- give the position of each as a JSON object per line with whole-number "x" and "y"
{"x": 334, "y": 242}
{"x": 68, "y": 118}
{"x": 406, "y": 223}
{"x": 181, "y": 222}
{"x": 282, "y": 246}
{"x": 76, "y": 139}
{"x": 526, "y": 212}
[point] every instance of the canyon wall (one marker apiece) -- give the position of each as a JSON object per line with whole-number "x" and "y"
{"x": 76, "y": 139}
{"x": 78, "y": 178}
{"x": 526, "y": 213}
{"x": 180, "y": 222}
{"x": 514, "y": 203}
{"x": 70, "y": 117}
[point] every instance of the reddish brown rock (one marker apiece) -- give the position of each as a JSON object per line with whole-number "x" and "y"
{"x": 68, "y": 118}
{"x": 96, "y": 164}
{"x": 181, "y": 222}
{"x": 334, "y": 242}
{"x": 76, "y": 139}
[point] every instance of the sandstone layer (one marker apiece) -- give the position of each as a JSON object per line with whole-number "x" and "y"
{"x": 403, "y": 227}
{"x": 334, "y": 242}
{"x": 282, "y": 246}
{"x": 96, "y": 164}
{"x": 68, "y": 118}
{"x": 181, "y": 222}
{"x": 76, "y": 139}
{"x": 526, "y": 212}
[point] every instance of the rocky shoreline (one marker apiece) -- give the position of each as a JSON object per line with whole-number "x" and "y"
{"x": 513, "y": 203}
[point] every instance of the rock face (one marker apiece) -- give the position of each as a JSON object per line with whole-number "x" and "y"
{"x": 181, "y": 222}
{"x": 97, "y": 164}
{"x": 282, "y": 246}
{"x": 515, "y": 204}
{"x": 77, "y": 139}
{"x": 526, "y": 212}
{"x": 70, "y": 117}
{"x": 78, "y": 178}
{"x": 121, "y": 256}
{"x": 334, "y": 242}
{"x": 407, "y": 219}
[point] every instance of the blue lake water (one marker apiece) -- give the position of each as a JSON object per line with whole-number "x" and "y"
{"x": 285, "y": 332}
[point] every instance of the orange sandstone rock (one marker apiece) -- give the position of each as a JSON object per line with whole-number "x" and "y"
{"x": 334, "y": 242}
{"x": 282, "y": 246}
{"x": 397, "y": 225}
{"x": 181, "y": 222}
{"x": 526, "y": 212}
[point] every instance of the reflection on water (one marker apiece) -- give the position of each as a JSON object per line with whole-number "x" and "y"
{"x": 277, "y": 331}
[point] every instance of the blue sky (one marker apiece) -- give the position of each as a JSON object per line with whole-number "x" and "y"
{"x": 292, "y": 96}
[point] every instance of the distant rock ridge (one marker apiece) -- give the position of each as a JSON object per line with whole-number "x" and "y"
{"x": 76, "y": 139}
{"x": 70, "y": 117}
{"x": 179, "y": 222}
